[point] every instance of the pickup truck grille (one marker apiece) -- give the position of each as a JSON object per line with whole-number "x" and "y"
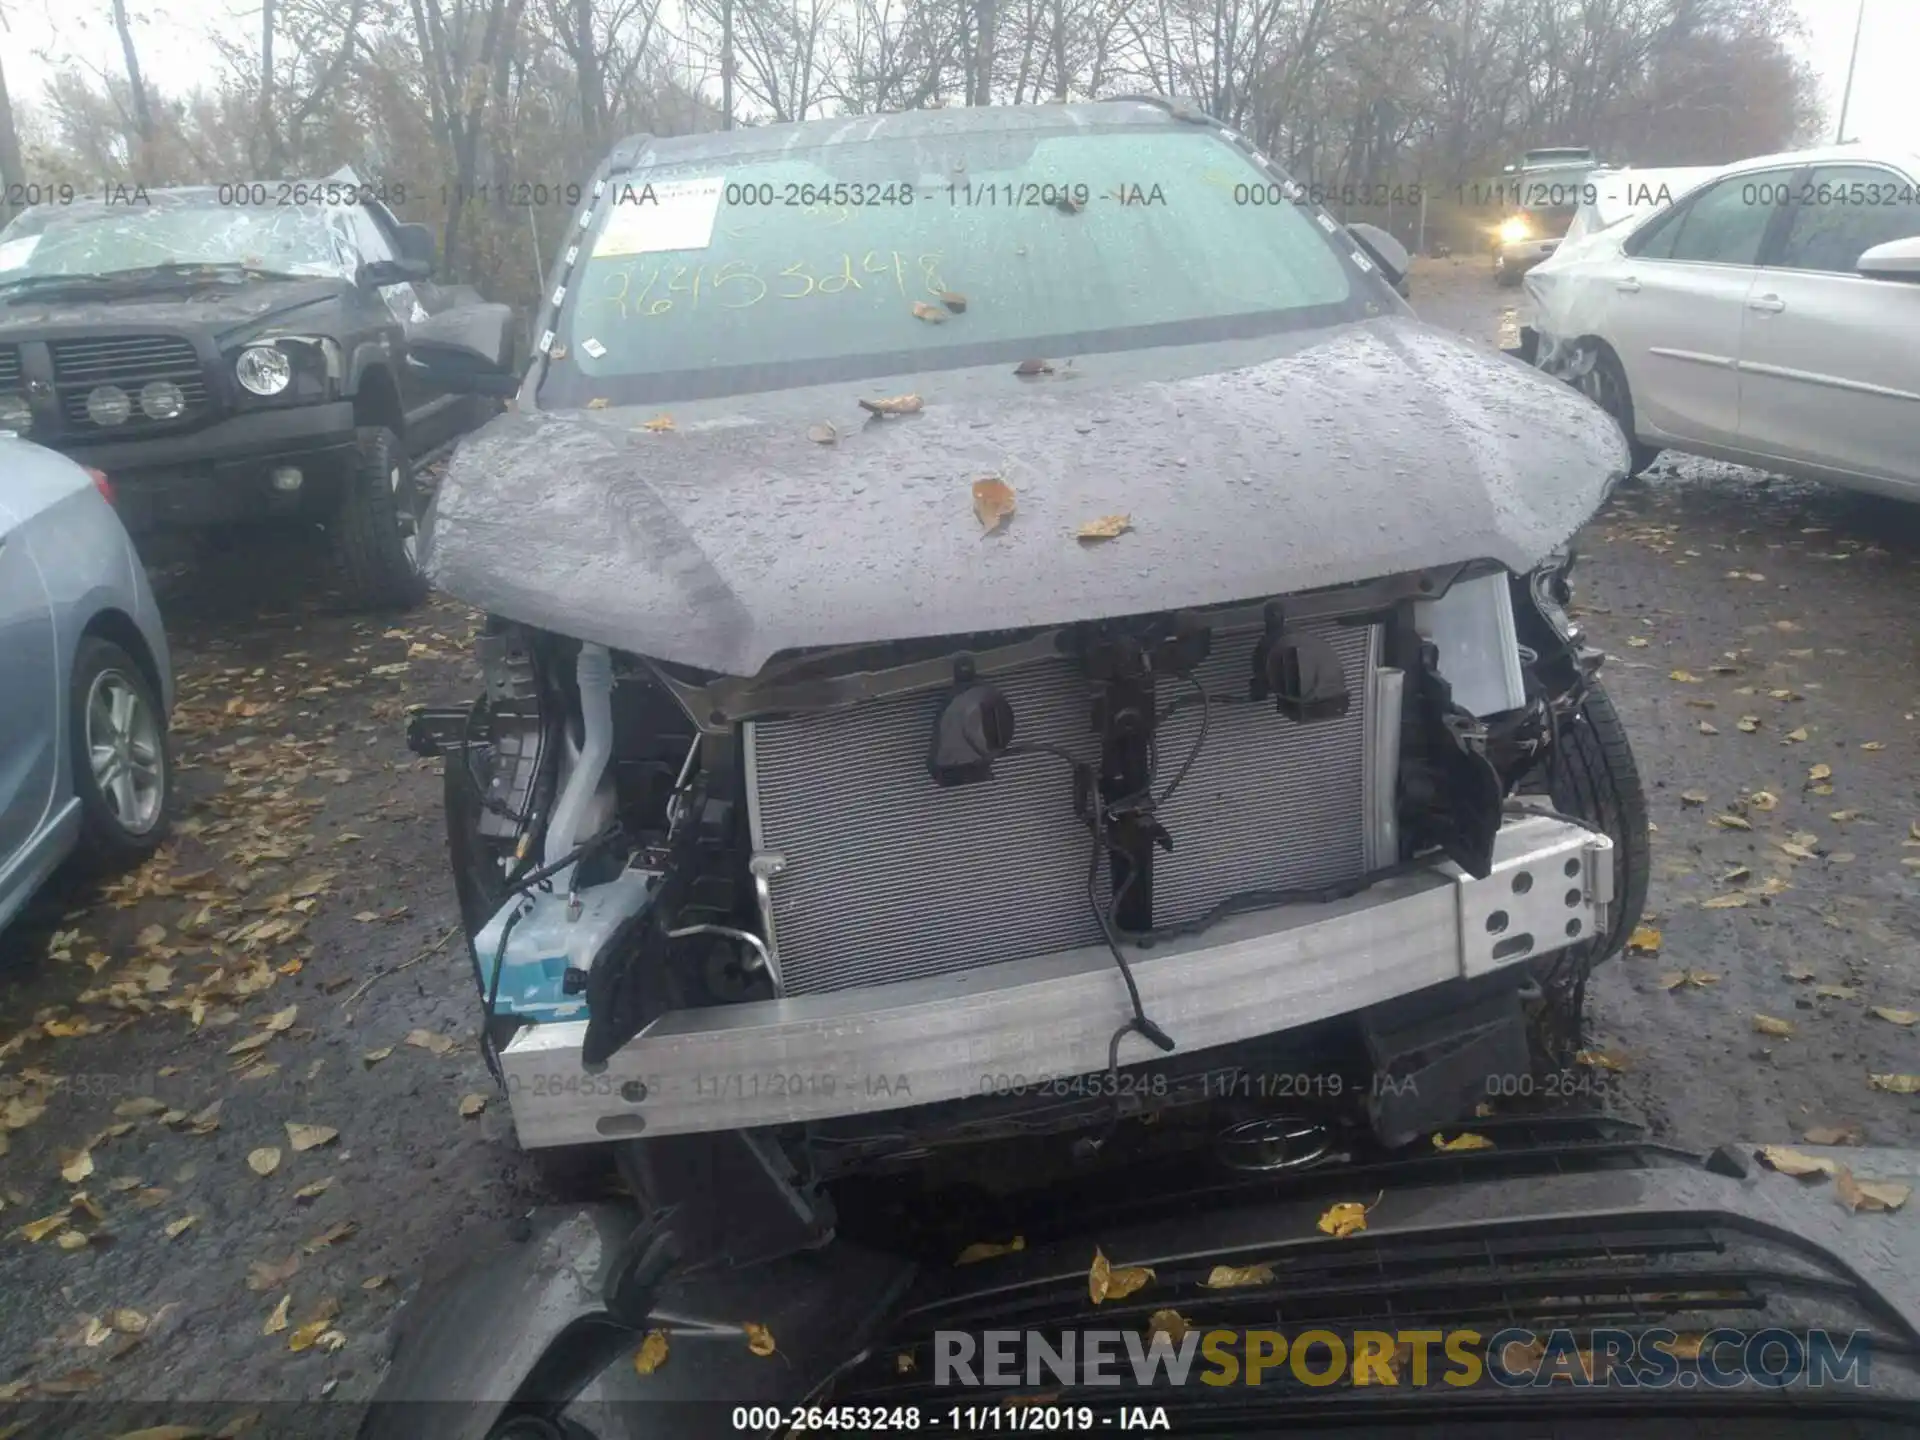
{"x": 9, "y": 367}
{"x": 891, "y": 877}
{"x": 129, "y": 362}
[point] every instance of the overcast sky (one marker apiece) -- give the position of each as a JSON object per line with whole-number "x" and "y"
{"x": 42, "y": 35}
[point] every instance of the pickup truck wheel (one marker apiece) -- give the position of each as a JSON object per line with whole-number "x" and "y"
{"x": 1504, "y": 275}
{"x": 1592, "y": 776}
{"x": 375, "y": 530}
{"x": 1605, "y": 383}
{"x": 122, "y": 767}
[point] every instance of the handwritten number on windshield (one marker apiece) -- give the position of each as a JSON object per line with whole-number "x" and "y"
{"x": 737, "y": 285}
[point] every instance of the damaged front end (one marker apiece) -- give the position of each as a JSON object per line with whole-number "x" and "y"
{"x": 874, "y": 897}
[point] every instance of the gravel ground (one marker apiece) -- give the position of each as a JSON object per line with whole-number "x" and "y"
{"x": 291, "y": 957}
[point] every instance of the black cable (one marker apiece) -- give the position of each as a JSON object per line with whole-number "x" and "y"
{"x": 1206, "y": 710}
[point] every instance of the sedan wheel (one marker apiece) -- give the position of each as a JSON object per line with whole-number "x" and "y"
{"x": 121, "y": 768}
{"x": 123, "y": 746}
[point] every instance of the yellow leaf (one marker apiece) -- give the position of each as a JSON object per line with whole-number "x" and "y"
{"x": 277, "y": 1321}
{"x": 1106, "y": 1283}
{"x": 894, "y": 405}
{"x": 1837, "y": 992}
{"x": 307, "y": 1137}
{"x": 1768, "y": 1025}
{"x": 759, "y": 1339}
{"x": 1897, "y": 1017}
{"x": 264, "y": 1276}
{"x": 250, "y": 1043}
{"x": 1869, "y": 1194}
{"x": 180, "y": 1227}
{"x": 34, "y": 1231}
{"x": 264, "y": 1161}
{"x": 1344, "y": 1219}
{"x": 315, "y": 1190}
{"x": 652, "y": 1353}
{"x": 1834, "y": 1135}
{"x": 598, "y": 402}
{"x": 1170, "y": 1323}
{"x": 346, "y": 1229}
{"x": 1708, "y": 729}
{"x": 1104, "y": 528}
{"x": 1789, "y": 1161}
{"x": 659, "y": 424}
{"x": 1601, "y": 1060}
{"x": 988, "y": 1250}
{"x": 1763, "y": 800}
{"x": 1232, "y": 1277}
{"x": 1645, "y": 940}
{"x": 71, "y": 1240}
{"x": 376, "y": 1282}
{"x": 139, "y": 1107}
{"x": 993, "y": 502}
{"x": 428, "y": 1040}
{"x": 1749, "y": 723}
{"x": 1636, "y": 642}
{"x": 1685, "y": 677}
{"x": 1465, "y": 1140}
{"x": 372, "y": 1058}
{"x": 1873, "y": 745}
{"x": 472, "y": 1105}
{"x": 1732, "y": 822}
{"x": 75, "y": 1166}
{"x": 1797, "y": 734}
{"x": 1820, "y": 772}
{"x": 1724, "y": 902}
{"x": 932, "y": 314}
{"x": 1896, "y": 1084}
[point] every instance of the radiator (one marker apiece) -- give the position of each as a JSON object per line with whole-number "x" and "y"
{"x": 888, "y": 876}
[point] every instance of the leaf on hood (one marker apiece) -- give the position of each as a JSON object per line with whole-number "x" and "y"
{"x": 1685, "y": 677}
{"x": 1349, "y": 1217}
{"x": 1106, "y": 527}
{"x": 76, "y": 1165}
{"x": 264, "y": 1276}
{"x": 1033, "y": 367}
{"x": 175, "y": 1229}
{"x": 1897, "y": 1017}
{"x": 250, "y": 1043}
{"x": 759, "y": 1339}
{"x": 34, "y": 1231}
{"x": 314, "y": 1326}
{"x": 308, "y": 1137}
{"x": 1834, "y": 1135}
{"x": 1896, "y": 1084}
{"x": 1106, "y": 1283}
{"x": 429, "y": 1040}
{"x": 598, "y": 402}
{"x": 932, "y": 314}
{"x": 895, "y": 405}
{"x": 1233, "y": 1277}
{"x": 139, "y": 1107}
{"x": 315, "y": 1190}
{"x": 371, "y": 1058}
{"x": 1749, "y": 723}
{"x": 472, "y": 1105}
{"x": 332, "y": 1235}
{"x": 1170, "y": 1323}
{"x": 1869, "y": 1194}
{"x": 659, "y": 425}
{"x": 1465, "y": 1140}
{"x": 1789, "y": 1161}
{"x": 265, "y": 1160}
{"x": 954, "y": 301}
{"x": 822, "y": 434}
{"x": 652, "y": 1353}
{"x": 1770, "y": 1025}
{"x": 1645, "y": 940}
{"x": 277, "y": 1321}
{"x": 993, "y": 502}
{"x": 988, "y": 1250}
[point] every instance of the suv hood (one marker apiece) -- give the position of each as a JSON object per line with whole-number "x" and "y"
{"x": 1316, "y": 459}
{"x": 217, "y": 306}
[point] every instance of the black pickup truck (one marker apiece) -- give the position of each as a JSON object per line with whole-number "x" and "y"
{"x": 238, "y": 353}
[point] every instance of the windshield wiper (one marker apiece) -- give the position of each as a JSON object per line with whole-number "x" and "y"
{"x": 167, "y": 272}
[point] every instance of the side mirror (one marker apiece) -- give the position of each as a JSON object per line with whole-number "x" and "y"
{"x": 1895, "y": 260}
{"x": 1388, "y": 253}
{"x": 467, "y": 351}
{"x": 416, "y": 245}
{"x": 393, "y": 272}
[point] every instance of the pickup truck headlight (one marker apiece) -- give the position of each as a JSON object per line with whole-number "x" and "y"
{"x": 1515, "y": 230}
{"x": 263, "y": 369}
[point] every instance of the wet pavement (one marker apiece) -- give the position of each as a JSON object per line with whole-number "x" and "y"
{"x": 291, "y": 958}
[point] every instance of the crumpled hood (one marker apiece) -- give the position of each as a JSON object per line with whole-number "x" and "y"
{"x": 1332, "y": 457}
{"x": 218, "y": 308}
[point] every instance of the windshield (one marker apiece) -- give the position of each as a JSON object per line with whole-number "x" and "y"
{"x": 181, "y": 230}
{"x": 810, "y": 264}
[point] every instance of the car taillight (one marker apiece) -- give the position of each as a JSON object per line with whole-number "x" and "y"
{"x": 101, "y": 483}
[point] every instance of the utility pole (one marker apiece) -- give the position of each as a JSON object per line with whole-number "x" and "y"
{"x": 1846, "y": 95}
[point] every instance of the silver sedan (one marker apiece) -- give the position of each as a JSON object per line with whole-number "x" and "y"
{"x": 86, "y": 683}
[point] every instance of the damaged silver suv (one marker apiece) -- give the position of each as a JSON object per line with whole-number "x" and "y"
{"x": 1002, "y": 622}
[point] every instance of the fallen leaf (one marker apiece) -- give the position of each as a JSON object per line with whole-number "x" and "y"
{"x": 371, "y": 1058}
{"x": 822, "y": 434}
{"x": 76, "y": 1165}
{"x": 251, "y": 1043}
{"x": 1789, "y": 1161}
{"x": 72, "y": 1240}
{"x": 34, "y": 1231}
{"x": 180, "y": 1227}
{"x": 993, "y": 502}
{"x": 1601, "y": 1060}
{"x": 1170, "y": 1323}
{"x": 428, "y": 1040}
{"x": 1724, "y": 902}
{"x": 1344, "y": 1219}
{"x": 1732, "y": 822}
{"x": 659, "y": 424}
{"x": 652, "y": 1353}
{"x": 1843, "y": 815}
{"x": 1106, "y": 1283}
{"x": 1896, "y": 1084}
{"x": 759, "y": 1339}
{"x": 1736, "y": 876}
{"x": 307, "y": 1137}
{"x": 1693, "y": 797}
{"x": 987, "y": 1250}
{"x": 1033, "y": 367}
{"x": 1834, "y": 1135}
{"x": 1869, "y": 1194}
{"x": 1749, "y": 723}
{"x": 471, "y": 1105}
{"x": 932, "y": 314}
{"x": 1636, "y": 642}
{"x": 1107, "y": 527}
{"x": 376, "y": 1282}
{"x": 1797, "y": 734}
{"x": 954, "y": 301}
{"x": 1466, "y": 1140}
{"x": 1897, "y": 1017}
{"x": 82, "y": 1201}
{"x": 1685, "y": 677}
{"x": 277, "y": 1321}
{"x": 263, "y": 1276}
{"x": 1837, "y": 992}
{"x": 151, "y": 936}
{"x": 315, "y": 1190}
{"x": 897, "y": 405}
{"x": 1706, "y": 728}
{"x": 282, "y": 1020}
{"x": 1674, "y": 979}
{"x": 1233, "y": 1277}
{"x": 265, "y": 1160}
{"x": 598, "y": 402}
{"x": 140, "y": 1106}
{"x": 309, "y": 1331}
{"x": 1768, "y": 1025}
{"x": 1763, "y": 800}
{"x": 1873, "y": 745}
{"x": 332, "y": 1235}
{"x": 903, "y": 1363}
{"x": 1798, "y": 852}
{"x": 1820, "y": 772}
{"x": 1645, "y": 940}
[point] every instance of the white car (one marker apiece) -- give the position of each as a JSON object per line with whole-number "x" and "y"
{"x": 1769, "y": 317}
